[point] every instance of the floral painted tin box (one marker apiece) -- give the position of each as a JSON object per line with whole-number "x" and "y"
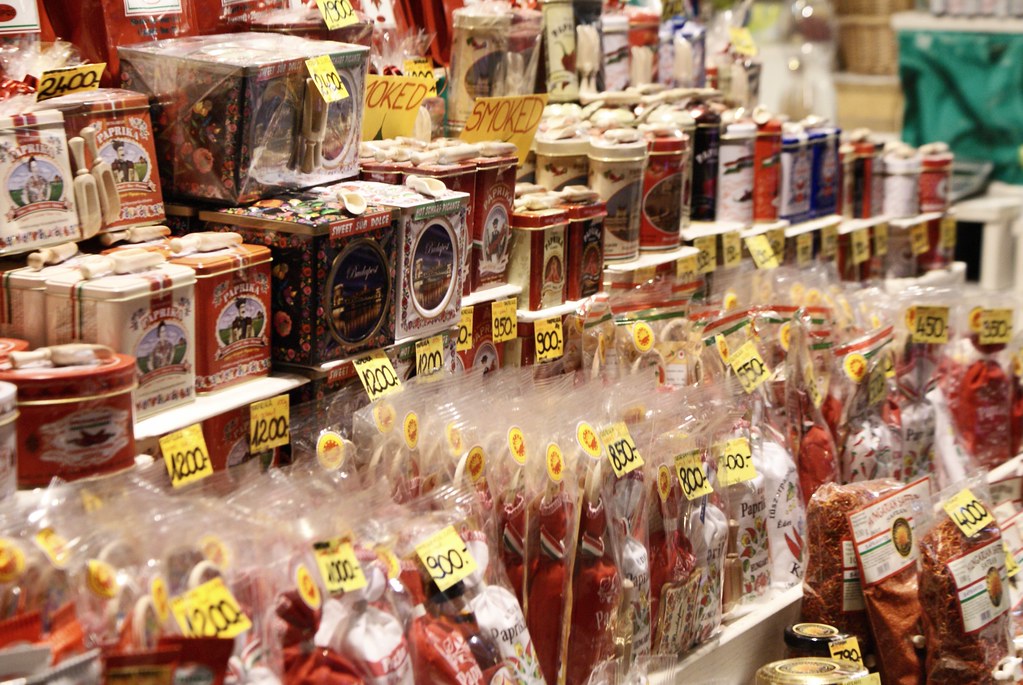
{"x": 231, "y": 115}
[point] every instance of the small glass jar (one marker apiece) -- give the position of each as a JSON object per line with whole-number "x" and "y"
{"x": 811, "y": 640}
{"x": 810, "y": 671}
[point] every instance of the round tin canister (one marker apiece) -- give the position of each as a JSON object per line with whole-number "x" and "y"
{"x": 935, "y": 178}
{"x": 561, "y": 162}
{"x": 664, "y": 190}
{"x": 8, "y": 439}
{"x": 616, "y": 173}
{"x": 735, "y": 172}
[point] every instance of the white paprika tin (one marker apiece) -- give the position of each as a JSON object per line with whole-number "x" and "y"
{"x": 735, "y": 172}
{"x": 617, "y": 160}
{"x": 8, "y": 439}
{"x": 901, "y": 182}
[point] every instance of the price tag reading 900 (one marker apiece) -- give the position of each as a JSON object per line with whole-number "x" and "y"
{"x": 968, "y": 513}
{"x": 621, "y": 448}
{"x": 377, "y": 375}
{"x": 446, "y": 558}
{"x": 548, "y": 335}
{"x": 209, "y": 610}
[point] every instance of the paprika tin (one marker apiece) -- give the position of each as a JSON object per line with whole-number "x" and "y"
{"x": 538, "y": 257}
{"x": 614, "y": 31}
{"x": 125, "y": 141}
{"x": 901, "y": 183}
{"x": 148, "y": 313}
{"x": 232, "y": 310}
{"x": 23, "y": 298}
{"x": 584, "y": 248}
{"x": 333, "y": 275}
{"x": 766, "y": 170}
{"x": 8, "y": 439}
{"x": 227, "y": 438}
{"x": 825, "y": 177}
{"x": 847, "y": 184}
{"x": 616, "y": 169}
{"x": 796, "y": 173}
{"x": 935, "y": 177}
{"x": 561, "y": 162}
{"x": 868, "y": 179}
{"x": 664, "y": 186}
{"x": 559, "y": 50}
{"x": 75, "y": 421}
{"x": 735, "y": 173}
{"x": 383, "y": 172}
{"x": 706, "y": 148}
{"x": 484, "y": 353}
{"x": 491, "y": 212}
{"x": 37, "y": 204}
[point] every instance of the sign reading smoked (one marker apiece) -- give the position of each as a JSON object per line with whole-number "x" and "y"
{"x": 392, "y": 104}
{"x": 508, "y": 119}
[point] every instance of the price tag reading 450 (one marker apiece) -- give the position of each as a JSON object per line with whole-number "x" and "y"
{"x": 446, "y": 558}
{"x": 549, "y": 338}
{"x": 325, "y": 77}
{"x": 269, "y": 424}
{"x": 928, "y": 324}
{"x": 621, "y": 448}
{"x": 377, "y": 375}
{"x": 340, "y": 570}
{"x": 186, "y": 456}
{"x": 749, "y": 366}
{"x": 968, "y": 513}
{"x": 209, "y": 610}
{"x": 504, "y": 320}
{"x": 735, "y": 462}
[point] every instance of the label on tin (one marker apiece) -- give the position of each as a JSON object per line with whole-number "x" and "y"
{"x": 22, "y": 16}
{"x": 559, "y": 39}
{"x": 795, "y": 181}
{"x": 621, "y": 184}
{"x": 151, "y": 8}
{"x": 431, "y": 270}
{"x": 84, "y": 439}
{"x": 982, "y": 585}
{"x": 735, "y": 180}
{"x": 662, "y": 201}
{"x": 557, "y": 171}
{"x": 552, "y": 290}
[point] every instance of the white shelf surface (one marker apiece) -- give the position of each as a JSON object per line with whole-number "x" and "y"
{"x": 208, "y": 406}
{"x": 501, "y": 292}
{"x": 850, "y": 225}
{"x": 701, "y": 229}
{"x": 651, "y": 259}
{"x": 812, "y": 225}
{"x": 907, "y": 222}
{"x": 760, "y": 229}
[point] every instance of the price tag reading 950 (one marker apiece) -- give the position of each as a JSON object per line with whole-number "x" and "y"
{"x": 504, "y": 320}
{"x": 749, "y": 366}
{"x": 68, "y": 80}
{"x": 928, "y": 324}
{"x": 339, "y": 569}
{"x": 549, "y": 338}
{"x": 429, "y": 356}
{"x": 446, "y": 558}
{"x": 325, "y": 77}
{"x": 847, "y": 650}
{"x": 968, "y": 513}
{"x": 735, "y": 462}
{"x": 269, "y": 424}
{"x": 377, "y": 375}
{"x": 691, "y": 475}
{"x": 209, "y": 610}
{"x": 337, "y": 13}
{"x": 621, "y": 448}
{"x": 186, "y": 456}
{"x": 707, "y": 259}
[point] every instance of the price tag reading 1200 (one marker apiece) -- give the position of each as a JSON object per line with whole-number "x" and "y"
{"x": 209, "y": 610}
{"x": 968, "y": 513}
{"x": 429, "y": 356}
{"x": 749, "y": 366}
{"x": 326, "y": 78}
{"x": 446, "y": 558}
{"x": 735, "y": 462}
{"x": 269, "y": 424}
{"x": 504, "y": 320}
{"x": 549, "y": 338}
{"x": 377, "y": 375}
{"x": 186, "y": 456}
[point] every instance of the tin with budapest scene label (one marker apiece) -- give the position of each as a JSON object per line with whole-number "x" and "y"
{"x": 617, "y": 161}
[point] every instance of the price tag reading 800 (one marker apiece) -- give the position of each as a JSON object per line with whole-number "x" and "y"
{"x": 968, "y": 513}
{"x": 621, "y": 448}
{"x": 504, "y": 320}
{"x": 847, "y": 650}
{"x": 446, "y": 558}
{"x": 326, "y": 79}
{"x": 340, "y": 570}
{"x": 691, "y": 475}
{"x": 749, "y": 367}
{"x": 209, "y": 610}
{"x": 337, "y": 13}
{"x": 269, "y": 424}
{"x": 735, "y": 462}
{"x": 377, "y": 375}
{"x": 548, "y": 336}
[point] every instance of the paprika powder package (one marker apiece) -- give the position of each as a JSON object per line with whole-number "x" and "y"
{"x": 659, "y": 342}
{"x": 1010, "y": 518}
{"x": 963, "y": 597}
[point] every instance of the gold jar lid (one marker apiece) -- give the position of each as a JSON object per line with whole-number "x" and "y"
{"x": 810, "y": 671}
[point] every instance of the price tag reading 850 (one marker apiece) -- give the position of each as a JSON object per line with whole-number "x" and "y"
{"x": 968, "y": 513}
{"x": 326, "y": 79}
{"x": 337, "y": 13}
{"x": 446, "y": 558}
{"x": 209, "y": 610}
{"x": 748, "y": 365}
{"x": 269, "y": 424}
{"x": 735, "y": 462}
{"x": 847, "y": 650}
{"x": 621, "y": 448}
{"x": 691, "y": 475}
{"x": 377, "y": 375}
{"x": 504, "y": 320}
{"x": 549, "y": 338}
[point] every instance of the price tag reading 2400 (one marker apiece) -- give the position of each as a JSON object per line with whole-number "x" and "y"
{"x": 621, "y": 448}
{"x": 209, "y": 610}
{"x": 326, "y": 79}
{"x": 749, "y": 366}
{"x": 68, "y": 80}
{"x": 269, "y": 424}
{"x": 377, "y": 375}
{"x": 549, "y": 338}
{"x": 968, "y": 513}
{"x": 735, "y": 462}
{"x": 446, "y": 558}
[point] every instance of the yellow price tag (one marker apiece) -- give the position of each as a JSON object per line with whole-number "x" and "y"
{"x": 804, "y": 249}
{"x": 325, "y": 78}
{"x": 735, "y": 462}
{"x": 1011, "y": 567}
{"x": 337, "y": 13}
{"x": 209, "y": 610}
{"x": 269, "y": 424}
{"x": 877, "y": 389}
{"x": 742, "y": 41}
{"x": 504, "y": 322}
{"x": 813, "y": 385}
{"x": 776, "y": 237}
{"x": 549, "y": 339}
{"x": 707, "y": 259}
{"x": 57, "y": 82}
{"x": 621, "y": 448}
{"x": 948, "y": 233}
{"x": 422, "y": 68}
{"x": 995, "y": 326}
{"x": 928, "y": 324}
{"x": 686, "y": 265}
{"x": 749, "y": 366}
{"x": 429, "y": 356}
{"x": 860, "y": 245}
{"x": 340, "y": 570}
{"x": 847, "y": 650}
{"x": 691, "y": 475}
{"x": 968, "y": 513}
{"x": 446, "y": 558}
{"x": 54, "y": 546}
{"x": 760, "y": 249}
{"x": 829, "y": 242}
{"x": 90, "y": 502}
{"x": 464, "y": 343}
{"x": 377, "y": 375}
{"x": 185, "y": 454}
{"x": 731, "y": 245}
{"x": 919, "y": 239}
{"x": 881, "y": 240}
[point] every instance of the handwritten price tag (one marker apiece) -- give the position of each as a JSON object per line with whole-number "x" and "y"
{"x": 928, "y": 324}
{"x": 881, "y": 240}
{"x": 860, "y": 245}
{"x": 847, "y": 650}
{"x": 686, "y": 265}
{"x": 185, "y": 454}
{"x": 422, "y": 68}
{"x": 691, "y": 475}
{"x": 1011, "y": 567}
{"x": 995, "y": 326}
{"x": 813, "y": 387}
{"x": 325, "y": 77}
{"x": 731, "y": 244}
{"x": 919, "y": 239}
{"x": 749, "y": 366}
{"x": 707, "y": 259}
{"x": 337, "y": 13}
{"x": 760, "y": 249}
{"x": 269, "y": 424}
{"x": 829, "y": 242}
{"x": 209, "y": 610}
{"x": 549, "y": 338}
{"x": 742, "y": 41}
{"x": 57, "y": 82}
{"x": 339, "y": 569}
{"x": 509, "y": 119}
{"x": 968, "y": 513}
{"x": 804, "y": 249}
{"x": 735, "y": 462}
{"x": 464, "y": 342}
{"x": 776, "y": 237}
{"x": 877, "y": 390}
{"x": 621, "y": 448}
{"x": 377, "y": 375}
{"x": 429, "y": 356}
{"x": 446, "y": 558}
{"x": 947, "y": 233}
{"x": 504, "y": 320}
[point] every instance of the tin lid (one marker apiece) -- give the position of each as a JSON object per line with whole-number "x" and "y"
{"x": 562, "y": 146}
{"x": 116, "y": 374}
{"x": 810, "y": 671}
{"x": 180, "y": 210}
{"x": 498, "y": 162}
{"x": 586, "y": 210}
{"x": 618, "y": 144}
{"x": 100, "y": 100}
{"x": 301, "y": 213}
{"x": 815, "y": 135}
{"x": 43, "y": 117}
{"x": 442, "y": 170}
{"x": 246, "y": 51}
{"x": 538, "y": 219}
{"x": 27, "y": 278}
{"x": 397, "y": 196}
{"x": 121, "y": 286}
{"x": 8, "y": 345}
{"x": 812, "y": 638}
{"x": 739, "y": 129}
{"x": 662, "y": 142}
{"x": 219, "y": 261}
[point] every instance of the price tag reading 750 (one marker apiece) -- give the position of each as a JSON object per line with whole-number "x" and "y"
{"x": 968, "y": 513}
{"x": 621, "y": 448}
{"x": 269, "y": 424}
{"x": 735, "y": 462}
{"x": 446, "y": 558}
{"x": 377, "y": 375}
{"x": 326, "y": 79}
{"x": 749, "y": 367}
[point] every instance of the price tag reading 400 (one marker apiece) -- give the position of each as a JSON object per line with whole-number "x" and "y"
{"x": 337, "y": 13}
{"x": 269, "y": 424}
{"x": 621, "y": 448}
{"x": 549, "y": 338}
{"x": 326, "y": 78}
{"x": 504, "y": 320}
{"x": 340, "y": 570}
{"x": 209, "y": 610}
{"x": 377, "y": 375}
{"x": 691, "y": 476}
{"x": 446, "y": 558}
{"x": 186, "y": 456}
{"x": 968, "y": 513}
{"x": 735, "y": 462}
{"x": 749, "y": 366}
{"x": 928, "y": 324}
{"x": 847, "y": 650}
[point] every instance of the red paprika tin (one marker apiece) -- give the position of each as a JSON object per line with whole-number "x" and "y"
{"x": 584, "y": 248}
{"x": 76, "y": 421}
{"x": 227, "y": 438}
{"x": 383, "y": 172}
{"x": 663, "y": 187}
{"x": 766, "y": 170}
{"x": 538, "y": 257}
{"x": 935, "y": 177}
{"x": 490, "y": 220}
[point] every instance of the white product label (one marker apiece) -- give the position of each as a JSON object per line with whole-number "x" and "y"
{"x": 981, "y": 585}
{"x": 883, "y": 533}
{"x": 87, "y": 437}
{"x": 620, "y": 185}
{"x": 1012, "y": 537}
{"x": 134, "y": 8}
{"x": 735, "y": 181}
{"x": 852, "y": 594}
{"x": 1007, "y": 490}
{"x": 22, "y": 16}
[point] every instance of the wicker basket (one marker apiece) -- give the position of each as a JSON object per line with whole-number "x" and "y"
{"x": 874, "y": 7}
{"x": 868, "y": 45}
